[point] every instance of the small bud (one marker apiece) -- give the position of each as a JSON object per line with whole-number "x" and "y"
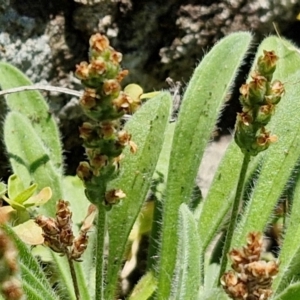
{"x": 275, "y": 93}
{"x": 126, "y": 103}
{"x": 108, "y": 129}
{"x": 99, "y": 43}
{"x": 88, "y": 99}
{"x": 49, "y": 225}
{"x": 98, "y": 161}
{"x": 84, "y": 171}
{"x": 257, "y": 89}
{"x": 122, "y": 102}
{"x": 245, "y": 132}
{"x": 262, "y": 142}
{"x": 63, "y": 213}
{"x": 86, "y": 131}
{"x": 229, "y": 279}
{"x": 97, "y": 68}
{"x": 116, "y": 57}
{"x": 111, "y": 87}
{"x": 66, "y": 236}
{"x": 264, "y": 139}
{"x": 266, "y": 64}
{"x": 54, "y": 244}
{"x": 244, "y": 90}
{"x": 264, "y": 114}
{"x": 82, "y": 70}
{"x": 114, "y": 196}
{"x": 79, "y": 246}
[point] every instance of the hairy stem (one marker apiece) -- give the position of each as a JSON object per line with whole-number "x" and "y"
{"x": 101, "y": 230}
{"x": 74, "y": 277}
{"x": 234, "y": 214}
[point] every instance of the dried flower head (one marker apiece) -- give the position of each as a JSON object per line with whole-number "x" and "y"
{"x": 58, "y": 233}
{"x": 251, "y": 278}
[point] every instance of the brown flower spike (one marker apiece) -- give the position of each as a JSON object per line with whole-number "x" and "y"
{"x": 258, "y": 98}
{"x": 251, "y": 277}
{"x": 104, "y": 137}
{"x": 58, "y": 233}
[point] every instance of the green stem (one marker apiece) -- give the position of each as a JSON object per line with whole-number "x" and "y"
{"x": 101, "y": 231}
{"x": 234, "y": 214}
{"x": 74, "y": 277}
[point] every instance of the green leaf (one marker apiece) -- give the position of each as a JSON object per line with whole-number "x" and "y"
{"x": 289, "y": 256}
{"x": 32, "y": 275}
{"x": 281, "y": 157}
{"x": 26, "y": 194}
{"x": 33, "y": 106}
{"x": 201, "y": 104}
{"x": 213, "y": 294}
{"x": 3, "y": 188}
{"x": 147, "y": 127}
{"x": 292, "y": 292}
{"x": 30, "y": 158}
{"x": 144, "y": 289}
{"x": 15, "y": 186}
{"x": 160, "y": 176}
{"x": 164, "y": 157}
{"x": 188, "y": 263}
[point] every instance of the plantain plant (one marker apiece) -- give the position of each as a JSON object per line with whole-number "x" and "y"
{"x": 138, "y": 183}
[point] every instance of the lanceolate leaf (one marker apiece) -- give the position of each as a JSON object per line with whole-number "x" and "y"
{"x": 201, "y": 104}
{"x": 29, "y": 157}
{"x": 289, "y": 256}
{"x": 147, "y": 127}
{"x": 144, "y": 288}
{"x": 33, "y": 106}
{"x": 188, "y": 263}
{"x": 292, "y": 292}
{"x": 281, "y": 157}
{"x": 161, "y": 173}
